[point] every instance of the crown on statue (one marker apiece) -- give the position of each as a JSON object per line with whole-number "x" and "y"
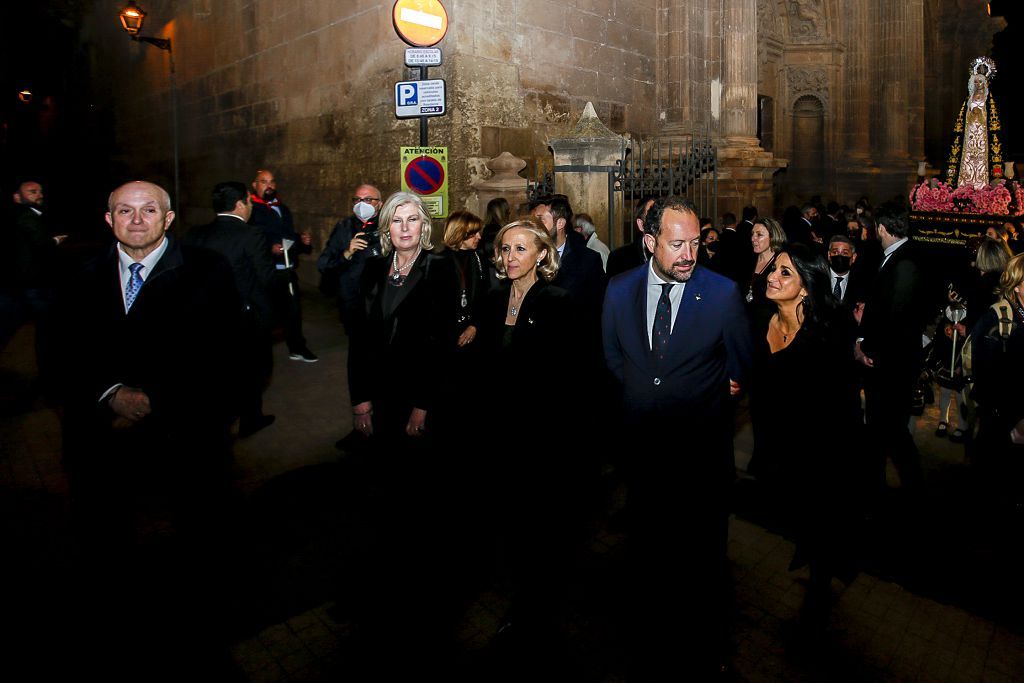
{"x": 984, "y": 66}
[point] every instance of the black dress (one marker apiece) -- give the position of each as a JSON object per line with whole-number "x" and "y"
{"x": 807, "y": 429}
{"x": 759, "y": 308}
{"x": 533, "y": 462}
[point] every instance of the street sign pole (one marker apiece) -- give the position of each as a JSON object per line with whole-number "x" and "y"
{"x": 423, "y": 119}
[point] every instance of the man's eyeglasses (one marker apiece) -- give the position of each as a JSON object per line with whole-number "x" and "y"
{"x": 370, "y": 200}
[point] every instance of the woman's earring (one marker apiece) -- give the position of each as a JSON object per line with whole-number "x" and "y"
{"x": 540, "y": 261}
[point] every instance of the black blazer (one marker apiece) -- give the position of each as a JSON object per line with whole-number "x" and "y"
{"x": 580, "y": 272}
{"x": 896, "y": 312}
{"x": 403, "y": 332}
{"x": 178, "y": 343}
{"x": 277, "y": 228}
{"x": 626, "y": 257}
{"x": 546, "y": 327}
{"x": 246, "y": 249}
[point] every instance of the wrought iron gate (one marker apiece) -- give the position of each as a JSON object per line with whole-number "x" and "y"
{"x": 684, "y": 166}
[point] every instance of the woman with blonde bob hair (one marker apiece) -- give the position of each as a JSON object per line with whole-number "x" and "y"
{"x": 524, "y": 322}
{"x": 546, "y": 265}
{"x": 407, "y": 310}
{"x": 387, "y": 216}
{"x": 997, "y": 345}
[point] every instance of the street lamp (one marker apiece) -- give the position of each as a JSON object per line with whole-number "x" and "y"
{"x": 132, "y": 18}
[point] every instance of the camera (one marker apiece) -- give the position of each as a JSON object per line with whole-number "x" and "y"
{"x": 372, "y": 238}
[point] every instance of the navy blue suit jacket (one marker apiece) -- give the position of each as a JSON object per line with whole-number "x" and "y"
{"x": 710, "y": 345}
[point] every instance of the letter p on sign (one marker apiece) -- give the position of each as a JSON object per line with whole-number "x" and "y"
{"x": 406, "y": 94}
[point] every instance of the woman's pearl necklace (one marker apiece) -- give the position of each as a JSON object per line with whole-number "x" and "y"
{"x": 397, "y": 275}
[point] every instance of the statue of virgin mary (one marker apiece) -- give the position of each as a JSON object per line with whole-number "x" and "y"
{"x": 976, "y": 157}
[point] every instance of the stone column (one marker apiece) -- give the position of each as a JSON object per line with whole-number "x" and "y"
{"x": 673, "y": 65}
{"x": 914, "y": 63}
{"x": 859, "y": 95}
{"x": 739, "y": 72}
{"x": 893, "y": 26}
{"x": 594, "y": 146}
{"x": 505, "y": 182}
{"x": 744, "y": 169}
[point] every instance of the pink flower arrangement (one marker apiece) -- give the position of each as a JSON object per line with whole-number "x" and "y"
{"x": 987, "y": 200}
{"x": 927, "y": 198}
{"x": 1018, "y": 200}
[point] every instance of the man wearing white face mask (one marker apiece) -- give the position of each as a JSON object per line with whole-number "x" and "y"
{"x": 353, "y": 240}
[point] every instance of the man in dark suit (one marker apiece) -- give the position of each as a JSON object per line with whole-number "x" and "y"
{"x": 677, "y": 339}
{"x": 355, "y": 239}
{"x": 631, "y": 255}
{"x": 29, "y": 273}
{"x": 890, "y": 348}
{"x": 580, "y": 271}
{"x": 846, "y": 284}
{"x": 275, "y": 219}
{"x": 246, "y": 249}
{"x": 735, "y": 251}
{"x": 746, "y": 225}
{"x": 151, "y": 330}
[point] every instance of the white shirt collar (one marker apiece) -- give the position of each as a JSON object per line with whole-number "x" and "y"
{"x": 894, "y": 246}
{"x": 233, "y": 215}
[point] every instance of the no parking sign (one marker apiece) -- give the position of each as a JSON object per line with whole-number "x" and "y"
{"x": 425, "y": 173}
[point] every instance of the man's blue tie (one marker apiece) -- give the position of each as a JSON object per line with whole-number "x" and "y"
{"x": 134, "y": 285}
{"x": 662, "y": 329}
{"x": 837, "y": 291}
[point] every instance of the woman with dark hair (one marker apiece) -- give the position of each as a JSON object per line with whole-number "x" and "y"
{"x": 869, "y": 248}
{"x": 766, "y": 238}
{"x": 462, "y": 233}
{"x": 806, "y": 426}
{"x": 708, "y": 251}
{"x": 498, "y": 212}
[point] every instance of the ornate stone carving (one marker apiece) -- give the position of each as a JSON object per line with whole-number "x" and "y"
{"x": 768, "y": 24}
{"x": 807, "y": 23}
{"x": 807, "y": 81}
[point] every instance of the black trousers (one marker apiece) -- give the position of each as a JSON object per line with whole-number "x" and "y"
{"x": 289, "y": 309}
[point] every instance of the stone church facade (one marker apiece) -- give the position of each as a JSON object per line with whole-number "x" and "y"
{"x": 839, "y": 98}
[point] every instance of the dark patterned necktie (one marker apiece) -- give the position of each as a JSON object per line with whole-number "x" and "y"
{"x": 134, "y": 285}
{"x": 837, "y": 291}
{"x": 662, "y": 329}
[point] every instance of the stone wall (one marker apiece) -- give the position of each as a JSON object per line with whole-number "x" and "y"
{"x": 305, "y": 88}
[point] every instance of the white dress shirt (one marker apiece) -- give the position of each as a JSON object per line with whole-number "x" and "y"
{"x": 675, "y": 295}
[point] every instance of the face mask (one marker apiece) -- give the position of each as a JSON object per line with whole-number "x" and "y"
{"x": 840, "y": 264}
{"x": 364, "y": 211}
{"x": 269, "y": 194}
{"x": 712, "y": 247}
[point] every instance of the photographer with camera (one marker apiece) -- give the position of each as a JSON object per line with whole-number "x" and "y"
{"x": 353, "y": 240}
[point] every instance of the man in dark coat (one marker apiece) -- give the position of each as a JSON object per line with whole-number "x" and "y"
{"x": 895, "y": 314}
{"x": 677, "y": 339}
{"x": 354, "y": 239}
{"x": 275, "y": 219}
{"x": 246, "y": 249}
{"x": 151, "y": 335}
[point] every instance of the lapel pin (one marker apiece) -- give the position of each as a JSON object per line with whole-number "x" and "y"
{"x": 697, "y": 296}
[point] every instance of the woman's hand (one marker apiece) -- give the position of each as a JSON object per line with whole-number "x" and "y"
{"x": 417, "y": 419}
{"x": 467, "y": 336}
{"x": 362, "y": 418}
